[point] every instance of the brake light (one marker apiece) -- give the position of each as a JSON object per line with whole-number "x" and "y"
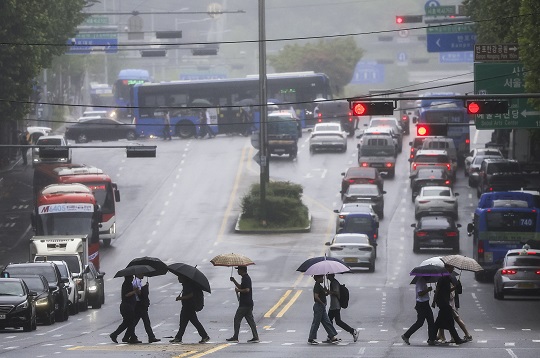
{"x": 371, "y": 181}
{"x": 538, "y": 272}
{"x": 531, "y": 253}
{"x": 481, "y": 249}
{"x": 451, "y": 233}
{"x": 414, "y": 166}
{"x": 405, "y": 118}
{"x": 350, "y": 117}
{"x": 448, "y": 166}
{"x": 423, "y": 201}
{"x": 374, "y": 236}
{"x": 364, "y": 165}
{"x": 342, "y": 216}
{"x": 412, "y": 155}
{"x": 447, "y": 182}
{"x": 421, "y": 233}
{"x": 319, "y": 120}
{"x": 467, "y": 141}
{"x": 508, "y": 272}
{"x": 389, "y": 165}
{"x": 351, "y": 181}
{"x": 336, "y": 248}
{"x": 490, "y": 189}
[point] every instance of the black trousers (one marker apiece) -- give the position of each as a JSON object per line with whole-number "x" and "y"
{"x": 141, "y": 312}
{"x": 445, "y": 320}
{"x": 336, "y": 314}
{"x": 128, "y": 320}
{"x": 189, "y": 315}
{"x": 424, "y": 313}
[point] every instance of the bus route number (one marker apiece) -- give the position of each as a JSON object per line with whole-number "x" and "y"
{"x": 525, "y": 222}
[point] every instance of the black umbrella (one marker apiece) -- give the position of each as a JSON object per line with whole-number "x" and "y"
{"x": 191, "y": 273}
{"x": 429, "y": 270}
{"x": 309, "y": 262}
{"x": 135, "y": 270}
{"x": 159, "y": 266}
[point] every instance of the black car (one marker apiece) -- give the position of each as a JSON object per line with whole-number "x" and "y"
{"x": 56, "y": 285}
{"x": 436, "y": 232}
{"x": 429, "y": 177}
{"x": 44, "y": 299}
{"x": 17, "y": 307}
{"x": 104, "y": 129}
{"x": 96, "y": 286}
{"x": 366, "y": 193}
{"x": 499, "y": 175}
{"x": 337, "y": 111}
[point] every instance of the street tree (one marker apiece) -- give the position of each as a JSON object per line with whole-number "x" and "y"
{"x": 336, "y": 57}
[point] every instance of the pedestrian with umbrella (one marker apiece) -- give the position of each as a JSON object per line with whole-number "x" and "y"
{"x": 127, "y": 305}
{"x": 193, "y": 283}
{"x": 424, "y": 313}
{"x": 320, "y": 315}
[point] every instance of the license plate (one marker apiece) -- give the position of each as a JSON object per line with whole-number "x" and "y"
{"x": 2, "y": 316}
{"x": 376, "y": 165}
{"x": 350, "y": 259}
{"x": 437, "y": 241}
{"x": 525, "y": 285}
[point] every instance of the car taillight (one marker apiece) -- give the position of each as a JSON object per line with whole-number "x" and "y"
{"x": 320, "y": 120}
{"x": 405, "y": 118}
{"x": 481, "y": 248}
{"x": 414, "y": 166}
{"x": 447, "y": 182}
{"x": 490, "y": 189}
{"x": 375, "y": 236}
{"x": 351, "y": 181}
{"x": 421, "y": 233}
{"x": 448, "y": 166}
{"x": 451, "y": 233}
{"x": 364, "y": 164}
{"x": 423, "y": 201}
{"x": 371, "y": 181}
{"x": 538, "y": 272}
{"x": 389, "y": 165}
{"x": 508, "y": 272}
{"x": 412, "y": 156}
{"x": 336, "y": 248}
{"x": 342, "y": 216}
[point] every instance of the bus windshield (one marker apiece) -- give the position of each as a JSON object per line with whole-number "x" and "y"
{"x": 104, "y": 195}
{"x": 72, "y": 223}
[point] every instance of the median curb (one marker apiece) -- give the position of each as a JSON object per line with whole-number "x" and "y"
{"x": 270, "y": 231}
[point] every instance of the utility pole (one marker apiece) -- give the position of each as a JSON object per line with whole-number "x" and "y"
{"x": 264, "y": 162}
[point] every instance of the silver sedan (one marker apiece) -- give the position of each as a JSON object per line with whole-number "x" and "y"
{"x": 435, "y": 200}
{"x": 353, "y": 249}
{"x": 520, "y": 274}
{"x": 328, "y": 136}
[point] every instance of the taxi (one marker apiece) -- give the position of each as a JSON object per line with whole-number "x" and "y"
{"x": 520, "y": 274}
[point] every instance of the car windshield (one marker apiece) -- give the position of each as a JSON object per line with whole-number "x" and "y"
{"x": 436, "y": 192}
{"x": 13, "y": 288}
{"x": 503, "y": 167}
{"x": 437, "y": 222}
{"x": 358, "y": 224}
{"x": 351, "y": 239}
{"x": 63, "y": 270}
{"x": 33, "y": 269}
{"x": 523, "y": 260}
{"x": 363, "y": 190}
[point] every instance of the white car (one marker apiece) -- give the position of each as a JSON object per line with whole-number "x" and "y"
{"x": 328, "y": 136}
{"x": 36, "y": 132}
{"x": 353, "y": 249}
{"x": 433, "y": 200}
{"x": 73, "y": 293}
{"x": 50, "y": 140}
{"x": 479, "y": 151}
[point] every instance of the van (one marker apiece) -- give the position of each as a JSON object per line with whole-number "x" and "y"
{"x": 337, "y": 111}
{"x": 378, "y": 151}
{"x": 442, "y": 143}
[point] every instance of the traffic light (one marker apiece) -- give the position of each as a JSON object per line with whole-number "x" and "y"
{"x": 204, "y": 51}
{"x": 423, "y": 130}
{"x": 487, "y": 107}
{"x": 372, "y": 108}
{"x": 153, "y": 53}
{"x": 408, "y": 19}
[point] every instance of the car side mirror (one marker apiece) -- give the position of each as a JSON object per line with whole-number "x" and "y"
{"x": 413, "y": 225}
{"x": 86, "y": 269}
{"x": 32, "y": 293}
{"x": 336, "y": 211}
{"x": 65, "y": 280}
{"x": 458, "y": 225}
{"x": 343, "y": 173}
{"x": 327, "y": 243}
{"x": 470, "y": 229}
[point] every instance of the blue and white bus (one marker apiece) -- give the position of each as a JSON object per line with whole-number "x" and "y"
{"x": 449, "y": 115}
{"x": 228, "y": 102}
{"x": 122, "y": 88}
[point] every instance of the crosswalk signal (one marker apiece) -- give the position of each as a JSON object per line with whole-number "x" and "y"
{"x": 372, "y": 108}
{"x": 487, "y": 107}
{"x": 423, "y": 130}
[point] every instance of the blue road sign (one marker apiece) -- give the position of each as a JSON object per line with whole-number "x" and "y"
{"x": 451, "y": 42}
{"x": 367, "y": 72}
{"x": 402, "y": 57}
{"x": 87, "y": 46}
{"x": 456, "y": 57}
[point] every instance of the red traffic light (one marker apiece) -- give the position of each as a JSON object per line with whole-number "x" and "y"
{"x": 399, "y": 20}
{"x": 402, "y": 19}
{"x": 372, "y": 108}
{"x": 487, "y": 107}
{"x": 423, "y": 130}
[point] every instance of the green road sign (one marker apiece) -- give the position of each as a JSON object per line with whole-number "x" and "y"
{"x": 501, "y": 78}
{"x": 96, "y": 20}
{"x": 97, "y": 35}
{"x": 450, "y": 29}
{"x": 441, "y": 10}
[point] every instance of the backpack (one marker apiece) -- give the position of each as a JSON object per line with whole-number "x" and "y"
{"x": 198, "y": 299}
{"x": 343, "y": 296}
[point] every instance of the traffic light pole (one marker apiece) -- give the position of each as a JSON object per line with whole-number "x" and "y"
{"x": 263, "y": 152}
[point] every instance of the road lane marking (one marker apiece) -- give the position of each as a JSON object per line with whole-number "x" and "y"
{"x": 511, "y": 353}
{"x": 288, "y": 305}
{"x": 279, "y": 302}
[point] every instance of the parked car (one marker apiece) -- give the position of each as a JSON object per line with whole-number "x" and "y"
{"x": 44, "y": 157}
{"x": 17, "y": 307}
{"x": 366, "y": 193}
{"x": 73, "y": 293}
{"x": 44, "y": 299}
{"x": 436, "y": 200}
{"x": 474, "y": 168}
{"x": 492, "y": 152}
{"x": 361, "y": 175}
{"x": 519, "y": 274}
{"x": 436, "y": 232}
{"x": 104, "y": 129}
{"x": 353, "y": 249}
{"x": 56, "y": 285}
{"x": 429, "y": 177}
{"x": 328, "y": 136}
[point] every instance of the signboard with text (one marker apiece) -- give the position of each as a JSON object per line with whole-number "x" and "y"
{"x": 501, "y": 78}
{"x": 496, "y": 53}
{"x": 448, "y": 42}
{"x": 84, "y": 46}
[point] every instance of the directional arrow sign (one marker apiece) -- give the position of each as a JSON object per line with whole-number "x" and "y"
{"x": 496, "y": 53}
{"x": 451, "y": 42}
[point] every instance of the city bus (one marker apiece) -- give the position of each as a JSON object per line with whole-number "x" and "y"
{"x": 446, "y": 117}
{"x": 122, "y": 88}
{"x": 226, "y": 101}
{"x": 104, "y": 189}
{"x": 499, "y": 228}
{"x": 101, "y": 96}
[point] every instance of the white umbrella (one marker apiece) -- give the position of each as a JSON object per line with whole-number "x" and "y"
{"x": 325, "y": 267}
{"x": 436, "y": 260}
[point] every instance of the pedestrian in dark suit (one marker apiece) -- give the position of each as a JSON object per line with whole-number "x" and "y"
{"x": 188, "y": 313}
{"x": 423, "y": 312}
{"x": 141, "y": 309}
{"x": 127, "y": 310}
{"x": 24, "y": 140}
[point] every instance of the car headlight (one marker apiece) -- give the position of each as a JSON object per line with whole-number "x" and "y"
{"x": 92, "y": 288}
{"x": 22, "y": 306}
{"x": 42, "y": 302}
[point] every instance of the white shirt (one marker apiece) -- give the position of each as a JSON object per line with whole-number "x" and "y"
{"x": 421, "y": 285}
{"x": 137, "y": 283}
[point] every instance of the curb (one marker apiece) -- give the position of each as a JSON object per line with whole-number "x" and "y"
{"x": 265, "y": 232}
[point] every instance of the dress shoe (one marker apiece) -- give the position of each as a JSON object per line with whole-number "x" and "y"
{"x": 153, "y": 340}
{"x": 113, "y": 338}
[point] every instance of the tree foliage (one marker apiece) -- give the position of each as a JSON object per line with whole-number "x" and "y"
{"x": 337, "y": 58}
{"x": 25, "y": 26}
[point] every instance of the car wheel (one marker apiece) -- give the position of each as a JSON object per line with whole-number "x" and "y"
{"x": 107, "y": 242}
{"x": 66, "y": 313}
{"x": 83, "y": 306}
{"x": 416, "y": 247}
{"x": 371, "y": 267}
{"x": 102, "y": 297}
{"x": 498, "y": 295}
{"x": 185, "y": 129}
{"x": 131, "y": 135}
{"x": 413, "y": 197}
{"x": 74, "y": 308}
{"x": 416, "y": 215}
{"x": 82, "y": 138}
